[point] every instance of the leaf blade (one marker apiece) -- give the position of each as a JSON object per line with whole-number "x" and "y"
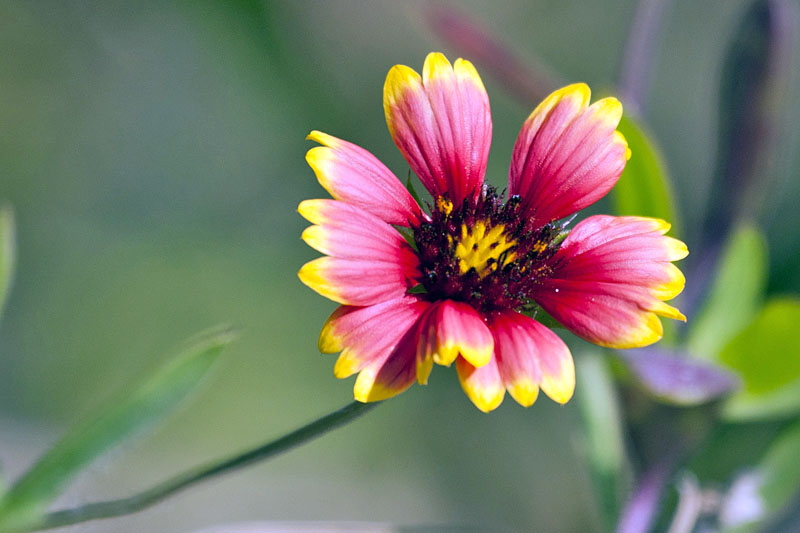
{"x": 736, "y": 294}
{"x": 644, "y": 188}
{"x": 762, "y": 355}
{"x": 147, "y": 405}
{"x": 604, "y": 443}
{"x": 8, "y": 252}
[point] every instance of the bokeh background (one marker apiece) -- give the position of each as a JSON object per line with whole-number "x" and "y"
{"x": 154, "y": 155}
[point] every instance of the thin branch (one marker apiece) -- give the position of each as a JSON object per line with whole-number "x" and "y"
{"x": 641, "y": 510}
{"x": 641, "y": 46}
{"x": 528, "y": 80}
{"x": 149, "y": 497}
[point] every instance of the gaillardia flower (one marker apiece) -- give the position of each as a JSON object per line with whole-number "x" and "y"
{"x": 460, "y": 282}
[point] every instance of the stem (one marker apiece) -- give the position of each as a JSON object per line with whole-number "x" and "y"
{"x": 146, "y": 498}
{"x": 690, "y": 506}
{"x": 604, "y": 435}
{"x": 640, "y": 511}
{"x": 528, "y": 81}
{"x": 639, "y": 53}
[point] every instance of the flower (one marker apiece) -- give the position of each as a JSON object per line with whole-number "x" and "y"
{"x": 458, "y": 283}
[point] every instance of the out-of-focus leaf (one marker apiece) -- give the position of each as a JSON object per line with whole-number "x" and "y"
{"x": 676, "y": 378}
{"x": 759, "y": 493}
{"x": 764, "y": 354}
{"x": 746, "y": 406}
{"x": 8, "y": 252}
{"x": 148, "y": 404}
{"x": 412, "y": 190}
{"x": 735, "y": 296}
{"x": 605, "y": 446}
{"x": 8, "y": 256}
{"x": 644, "y": 189}
{"x": 544, "y": 318}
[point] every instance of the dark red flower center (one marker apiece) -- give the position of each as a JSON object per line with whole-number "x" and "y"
{"x": 484, "y": 252}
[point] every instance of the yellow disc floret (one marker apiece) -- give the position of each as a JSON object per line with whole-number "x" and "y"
{"x": 484, "y": 249}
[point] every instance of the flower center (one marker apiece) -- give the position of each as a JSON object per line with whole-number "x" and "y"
{"x": 483, "y": 252}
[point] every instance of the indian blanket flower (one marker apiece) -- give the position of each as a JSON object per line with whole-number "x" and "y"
{"x": 460, "y": 282}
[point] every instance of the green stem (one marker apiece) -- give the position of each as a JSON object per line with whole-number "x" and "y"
{"x": 144, "y": 499}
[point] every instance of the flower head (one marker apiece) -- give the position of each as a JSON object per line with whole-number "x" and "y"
{"x": 460, "y": 281}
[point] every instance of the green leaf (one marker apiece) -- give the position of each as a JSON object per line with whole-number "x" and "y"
{"x": 747, "y": 406}
{"x": 411, "y": 189}
{"x": 8, "y": 252}
{"x": 603, "y": 436}
{"x": 644, "y": 189}
{"x": 147, "y": 405}
{"x": 764, "y": 355}
{"x": 736, "y": 295}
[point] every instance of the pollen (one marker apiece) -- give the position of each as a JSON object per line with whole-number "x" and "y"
{"x": 539, "y": 246}
{"x": 444, "y": 205}
{"x": 483, "y": 248}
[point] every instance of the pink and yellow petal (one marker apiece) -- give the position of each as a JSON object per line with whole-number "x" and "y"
{"x": 424, "y": 368}
{"x": 598, "y": 230}
{"x": 352, "y": 174}
{"x": 568, "y": 154}
{"x": 357, "y": 281}
{"x": 516, "y": 355}
{"x": 671, "y": 285}
{"x": 391, "y": 374}
{"x": 451, "y": 328}
{"x": 530, "y": 356}
{"x": 365, "y": 334}
{"x": 609, "y": 279}
{"x": 614, "y": 315}
{"x": 483, "y": 385}
{"x": 343, "y": 230}
{"x": 555, "y": 363}
{"x": 441, "y": 123}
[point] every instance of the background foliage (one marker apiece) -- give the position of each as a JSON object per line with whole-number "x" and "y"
{"x": 154, "y": 156}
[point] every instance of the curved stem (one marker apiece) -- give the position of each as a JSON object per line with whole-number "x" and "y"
{"x": 640, "y": 53}
{"x": 146, "y": 498}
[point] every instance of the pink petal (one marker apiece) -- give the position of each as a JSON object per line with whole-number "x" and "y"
{"x": 568, "y": 154}
{"x": 529, "y": 355}
{"x": 441, "y": 123}
{"x": 352, "y": 174}
{"x": 516, "y": 355}
{"x": 483, "y": 385}
{"x": 358, "y": 281}
{"x": 451, "y": 328}
{"x": 346, "y": 231}
{"x": 395, "y": 369}
{"x": 609, "y": 278}
{"x": 365, "y": 334}
{"x": 555, "y": 362}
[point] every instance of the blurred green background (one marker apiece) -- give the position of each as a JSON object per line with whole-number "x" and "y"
{"x": 154, "y": 155}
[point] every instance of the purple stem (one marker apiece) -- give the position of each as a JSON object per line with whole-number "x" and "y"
{"x": 529, "y": 82}
{"x": 636, "y": 69}
{"x": 641, "y": 509}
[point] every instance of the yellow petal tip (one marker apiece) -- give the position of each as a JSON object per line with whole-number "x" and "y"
{"x": 524, "y": 393}
{"x": 322, "y": 138}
